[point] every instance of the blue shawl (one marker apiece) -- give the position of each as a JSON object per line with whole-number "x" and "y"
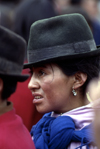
{"x": 58, "y": 133}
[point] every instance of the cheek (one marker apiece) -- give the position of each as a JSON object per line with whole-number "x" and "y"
{"x": 48, "y": 90}
{"x": 53, "y": 91}
{"x": 50, "y": 93}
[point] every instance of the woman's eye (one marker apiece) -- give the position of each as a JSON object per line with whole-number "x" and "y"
{"x": 41, "y": 73}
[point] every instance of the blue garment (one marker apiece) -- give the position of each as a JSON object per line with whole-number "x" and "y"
{"x": 58, "y": 133}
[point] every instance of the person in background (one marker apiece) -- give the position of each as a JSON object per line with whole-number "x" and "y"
{"x": 60, "y": 5}
{"x": 6, "y": 10}
{"x": 94, "y": 93}
{"x": 13, "y": 133}
{"x": 91, "y": 8}
{"x": 29, "y": 11}
{"x": 63, "y": 59}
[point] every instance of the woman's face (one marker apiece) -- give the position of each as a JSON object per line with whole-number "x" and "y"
{"x": 51, "y": 89}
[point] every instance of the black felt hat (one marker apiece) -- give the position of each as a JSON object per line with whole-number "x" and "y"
{"x": 12, "y": 51}
{"x": 61, "y": 37}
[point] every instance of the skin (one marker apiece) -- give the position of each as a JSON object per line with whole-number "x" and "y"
{"x": 3, "y": 103}
{"x": 61, "y": 4}
{"x": 54, "y": 89}
{"x": 91, "y": 7}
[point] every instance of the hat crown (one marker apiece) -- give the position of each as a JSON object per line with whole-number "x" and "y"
{"x": 12, "y": 52}
{"x": 58, "y": 31}
{"x": 11, "y": 46}
{"x": 61, "y": 37}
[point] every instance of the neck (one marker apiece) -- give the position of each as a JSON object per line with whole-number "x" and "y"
{"x": 73, "y": 102}
{"x": 79, "y": 101}
{"x": 3, "y": 104}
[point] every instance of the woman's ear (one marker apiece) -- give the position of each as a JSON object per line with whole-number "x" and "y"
{"x": 1, "y": 85}
{"x": 80, "y": 79}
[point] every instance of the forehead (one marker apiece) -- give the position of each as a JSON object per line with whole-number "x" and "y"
{"x": 50, "y": 66}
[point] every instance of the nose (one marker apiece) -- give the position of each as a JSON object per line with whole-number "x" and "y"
{"x": 33, "y": 83}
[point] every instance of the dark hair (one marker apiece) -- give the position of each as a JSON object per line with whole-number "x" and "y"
{"x": 75, "y": 2}
{"x": 9, "y": 87}
{"x": 90, "y": 66}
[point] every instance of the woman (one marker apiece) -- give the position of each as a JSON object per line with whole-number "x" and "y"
{"x": 63, "y": 58}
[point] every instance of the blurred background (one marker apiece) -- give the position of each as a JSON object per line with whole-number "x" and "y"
{"x": 18, "y": 15}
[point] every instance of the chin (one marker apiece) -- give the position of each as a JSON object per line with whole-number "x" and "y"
{"x": 42, "y": 110}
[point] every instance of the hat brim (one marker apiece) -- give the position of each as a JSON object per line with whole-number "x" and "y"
{"x": 64, "y": 57}
{"x": 18, "y": 78}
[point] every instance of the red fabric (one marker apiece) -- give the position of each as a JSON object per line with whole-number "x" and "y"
{"x": 22, "y": 102}
{"x": 13, "y": 134}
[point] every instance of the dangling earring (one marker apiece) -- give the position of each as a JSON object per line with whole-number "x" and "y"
{"x": 74, "y": 92}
